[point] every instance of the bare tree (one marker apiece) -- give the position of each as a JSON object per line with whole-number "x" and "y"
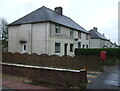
{"x": 4, "y": 32}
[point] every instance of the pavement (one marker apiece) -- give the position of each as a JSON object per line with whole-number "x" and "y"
{"x": 107, "y": 80}
{"x": 18, "y": 86}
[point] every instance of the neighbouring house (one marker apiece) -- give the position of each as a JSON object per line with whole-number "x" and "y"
{"x": 47, "y": 31}
{"x": 0, "y": 41}
{"x": 115, "y": 45}
{"x": 0, "y": 36}
{"x": 97, "y": 40}
{"x": 111, "y": 44}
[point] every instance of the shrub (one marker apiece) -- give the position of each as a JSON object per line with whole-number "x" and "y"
{"x": 111, "y": 52}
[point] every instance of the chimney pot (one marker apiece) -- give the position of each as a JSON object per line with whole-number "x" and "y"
{"x": 58, "y": 10}
{"x": 103, "y": 34}
{"x": 95, "y": 29}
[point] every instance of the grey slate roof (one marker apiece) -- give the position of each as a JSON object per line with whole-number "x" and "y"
{"x": 44, "y": 14}
{"x": 96, "y": 35}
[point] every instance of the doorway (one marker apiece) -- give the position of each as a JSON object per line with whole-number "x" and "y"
{"x": 24, "y": 48}
{"x": 65, "y": 49}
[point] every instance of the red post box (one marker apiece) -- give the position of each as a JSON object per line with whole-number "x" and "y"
{"x": 103, "y": 55}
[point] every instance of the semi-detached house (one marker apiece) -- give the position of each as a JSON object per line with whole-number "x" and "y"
{"x": 47, "y": 31}
{"x": 97, "y": 40}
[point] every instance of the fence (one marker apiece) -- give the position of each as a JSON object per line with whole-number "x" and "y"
{"x": 77, "y": 62}
{"x": 51, "y": 76}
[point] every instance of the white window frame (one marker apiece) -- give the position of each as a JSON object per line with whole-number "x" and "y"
{"x": 57, "y": 47}
{"x": 71, "y": 33}
{"x": 57, "y": 29}
{"x": 87, "y": 37}
{"x": 79, "y": 34}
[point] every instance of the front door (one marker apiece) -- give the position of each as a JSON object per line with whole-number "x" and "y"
{"x": 65, "y": 49}
{"x": 24, "y": 48}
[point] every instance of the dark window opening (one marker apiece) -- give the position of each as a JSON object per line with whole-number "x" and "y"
{"x": 71, "y": 47}
{"x": 57, "y": 29}
{"x": 57, "y": 47}
{"x": 79, "y": 44}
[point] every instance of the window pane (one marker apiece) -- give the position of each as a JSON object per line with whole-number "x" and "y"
{"x": 71, "y": 33}
{"x": 79, "y": 44}
{"x": 86, "y": 36}
{"x": 71, "y": 47}
{"x": 83, "y": 46}
{"x": 24, "y": 47}
{"x": 57, "y": 29}
{"x": 57, "y": 47}
{"x": 79, "y": 35}
{"x": 86, "y": 46}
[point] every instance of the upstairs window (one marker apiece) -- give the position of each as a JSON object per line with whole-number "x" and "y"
{"x": 79, "y": 34}
{"x": 57, "y": 29}
{"x": 71, "y": 47}
{"x": 83, "y": 46}
{"x": 71, "y": 33}
{"x": 87, "y": 36}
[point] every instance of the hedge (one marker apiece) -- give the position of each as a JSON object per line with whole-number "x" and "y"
{"x": 111, "y": 52}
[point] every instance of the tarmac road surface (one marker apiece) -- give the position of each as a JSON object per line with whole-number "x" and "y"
{"x": 107, "y": 80}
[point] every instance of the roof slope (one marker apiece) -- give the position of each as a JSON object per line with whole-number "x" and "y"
{"x": 96, "y": 35}
{"x": 44, "y": 14}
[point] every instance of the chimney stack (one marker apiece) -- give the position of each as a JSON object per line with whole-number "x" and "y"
{"x": 95, "y": 29}
{"x": 103, "y": 34}
{"x": 58, "y": 10}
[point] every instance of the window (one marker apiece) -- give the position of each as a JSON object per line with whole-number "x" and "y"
{"x": 79, "y": 44}
{"x": 86, "y": 46}
{"x": 79, "y": 34}
{"x": 57, "y": 47}
{"x": 83, "y": 46}
{"x": 57, "y": 29}
{"x": 71, "y": 47}
{"x": 71, "y": 33}
{"x": 87, "y": 36}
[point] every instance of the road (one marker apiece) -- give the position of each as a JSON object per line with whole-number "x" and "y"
{"x": 107, "y": 80}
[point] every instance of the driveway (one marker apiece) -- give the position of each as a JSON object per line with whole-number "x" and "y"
{"x": 107, "y": 80}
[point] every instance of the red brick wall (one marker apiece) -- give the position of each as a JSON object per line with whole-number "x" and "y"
{"x": 65, "y": 79}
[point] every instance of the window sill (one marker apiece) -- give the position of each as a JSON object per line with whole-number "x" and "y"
{"x": 57, "y": 52}
{"x": 57, "y": 34}
{"x": 71, "y": 36}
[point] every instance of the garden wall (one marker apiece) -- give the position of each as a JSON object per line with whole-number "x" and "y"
{"x": 51, "y": 76}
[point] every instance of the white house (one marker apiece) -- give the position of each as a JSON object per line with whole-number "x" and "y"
{"x": 97, "y": 40}
{"x": 46, "y": 31}
{"x": 0, "y": 42}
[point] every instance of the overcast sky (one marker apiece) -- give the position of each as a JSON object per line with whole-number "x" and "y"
{"x": 102, "y": 14}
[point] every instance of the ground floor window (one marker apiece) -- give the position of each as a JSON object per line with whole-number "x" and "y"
{"x": 57, "y": 47}
{"x": 79, "y": 44}
{"x": 71, "y": 47}
{"x": 86, "y": 46}
{"x": 83, "y": 46}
